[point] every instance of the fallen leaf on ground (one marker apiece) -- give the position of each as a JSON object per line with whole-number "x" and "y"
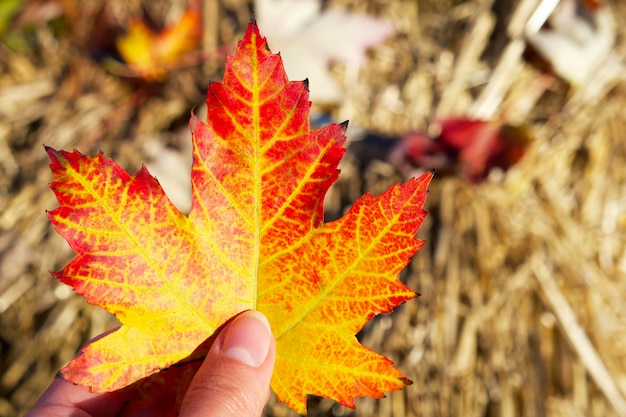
{"x": 577, "y": 42}
{"x": 468, "y": 147}
{"x": 150, "y": 54}
{"x": 311, "y": 39}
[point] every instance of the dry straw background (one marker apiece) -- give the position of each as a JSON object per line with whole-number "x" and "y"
{"x": 523, "y": 279}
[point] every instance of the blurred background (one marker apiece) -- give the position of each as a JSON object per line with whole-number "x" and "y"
{"x": 520, "y": 105}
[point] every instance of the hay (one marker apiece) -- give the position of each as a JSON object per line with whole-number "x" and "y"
{"x": 522, "y": 310}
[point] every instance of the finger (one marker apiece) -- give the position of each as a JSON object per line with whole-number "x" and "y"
{"x": 235, "y": 376}
{"x": 63, "y": 399}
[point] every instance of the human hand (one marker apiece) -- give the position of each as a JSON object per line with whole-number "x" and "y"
{"x": 233, "y": 380}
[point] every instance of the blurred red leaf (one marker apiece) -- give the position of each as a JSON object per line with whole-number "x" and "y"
{"x": 469, "y": 147}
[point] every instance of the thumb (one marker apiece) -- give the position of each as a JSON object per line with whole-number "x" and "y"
{"x": 235, "y": 376}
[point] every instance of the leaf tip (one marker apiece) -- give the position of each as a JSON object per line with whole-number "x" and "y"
{"x": 52, "y": 153}
{"x": 406, "y": 381}
{"x": 253, "y": 28}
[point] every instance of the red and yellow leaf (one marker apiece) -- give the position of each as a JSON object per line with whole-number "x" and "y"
{"x": 255, "y": 238}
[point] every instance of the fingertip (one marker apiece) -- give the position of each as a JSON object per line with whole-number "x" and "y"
{"x": 248, "y": 339}
{"x": 234, "y": 378}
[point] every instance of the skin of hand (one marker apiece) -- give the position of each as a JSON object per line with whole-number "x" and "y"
{"x": 233, "y": 380}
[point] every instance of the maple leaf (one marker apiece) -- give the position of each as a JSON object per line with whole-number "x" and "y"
{"x": 150, "y": 54}
{"x": 254, "y": 238}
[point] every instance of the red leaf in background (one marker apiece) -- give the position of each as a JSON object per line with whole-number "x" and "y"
{"x": 469, "y": 147}
{"x": 474, "y": 141}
